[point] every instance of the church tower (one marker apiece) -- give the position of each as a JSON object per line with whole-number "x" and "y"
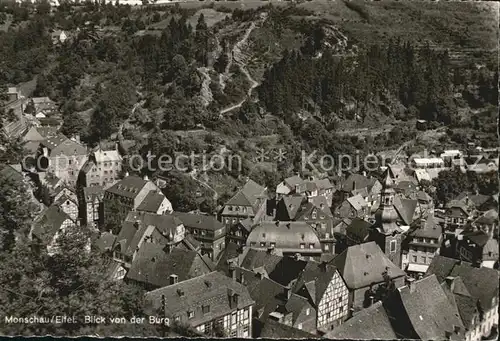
{"x": 387, "y": 232}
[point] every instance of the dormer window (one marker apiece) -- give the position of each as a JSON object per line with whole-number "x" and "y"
{"x": 190, "y": 314}
{"x": 205, "y": 309}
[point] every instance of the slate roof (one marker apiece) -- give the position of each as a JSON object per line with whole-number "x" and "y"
{"x": 249, "y": 195}
{"x": 488, "y": 217}
{"x": 291, "y": 205}
{"x": 405, "y": 208}
{"x": 287, "y": 235}
{"x": 153, "y": 265}
{"x": 49, "y": 221}
{"x": 482, "y": 283}
{"x": 428, "y": 229}
{"x": 371, "y": 323}
{"x": 252, "y": 259}
{"x": 313, "y": 281}
{"x": 199, "y": 221}
{"x": 130, "y": 235}
{"x": 274, "y": 329}
{"x": 441, "y": 267}
{"x": 151, "y": 202}
{"x": 231, "y": 251}
{"x": 465, "y": 304}
{"x": 287, "y": 270}
{"x": 90, "y": 193}
{"x": 61, "y": 145}
{"x": 355, "y": 181}
{"x": 128, "y": 187}
{"x": 476, "y": 199}
{"x": 363, "y": 264}
{"x": 305, "y": 212}
{"x": 292, "y": 181}
{"x": 477, "y": 237}
{"x": 190, "y": 295}
{"x": 33, "y": 135}
{"x": 429, "y": 310}
{"x": 357, "y": 202}
{"x": 359, "y": 228}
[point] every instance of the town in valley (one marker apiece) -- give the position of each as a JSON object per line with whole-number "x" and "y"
{"x": 249, "y": 169}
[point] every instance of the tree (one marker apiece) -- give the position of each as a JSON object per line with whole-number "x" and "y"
{"x": 16, "y": 209}
{"x": 73, "y": 282}
{"x": 181, "y": 190}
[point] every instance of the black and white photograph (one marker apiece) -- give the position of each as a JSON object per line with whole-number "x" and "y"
{"x": 274, "y": 169}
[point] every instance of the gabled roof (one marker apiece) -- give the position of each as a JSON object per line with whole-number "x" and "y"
{"x": 107, "y": 156}
{"x": 482, "y": 283}
{"x": 252, "y": 259}
{"x": 92, "y": 192}
{"x": 105, "y": 241}
{"x": 33, "y": 135}
{"x": 359, "y": 228}
{"x": 291, "y": 205}
{"x": 355, "y": 181}
{"x": 357, "y": 202}
{"x": 61, "y": 145}
{"x": 427, "y": 306}
{"x": 274, "y": 329}
{"x": 287, "y": 270}
{"x": 292, "y": 181}
{"x": 137, "y": 224}
{"x": 49, "y": 221}
{"x": 307, "y": 210}
{"x": 153, "y": 265}
{"x": 371, "y": 323}
{"x": 199, "y": 221}
{"x": 214, "y": 289}
{"x": 313, "y": 281}
{"x": 477, "y": 237}
{"x": 405, "y": 208}
{"x": 128, "y": 187}
{"x": 249, "y": 195}
{"x": 475, "y": 199}
{"x": 152, "y": 202}
{"x": 488, "y": 217}
{"x": 428, "y": 229}
{"x": 363, "y": 264}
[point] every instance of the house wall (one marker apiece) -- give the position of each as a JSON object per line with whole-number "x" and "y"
{"x": 71, "y": 209}
{"x": 139, "y": 198}
{"x": 394, "y": 254}
{"x": 237, "y": 323}
{"x": 334, "y": 305}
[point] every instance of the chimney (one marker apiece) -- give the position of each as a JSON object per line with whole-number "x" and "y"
{"x": 126, "y": 174}
{"x": 364, "y": 173}
{"x": 467, "y": 200}
{"x": 232, "y": 271}
{"x": 233, "y": 299}
{"x": 354, "y": 185}
{"x": 450, "y": 280}
{"x": 146, "y": 178}
{"x": 288, "y": 226}
{"x": 174, "y": 279}
{"x": 277, "y": 223}
{"x": 448, "y": 334}
{"x": 372, "y": 298}
{"x": 288, "y": 292}
{"x": 411, "y": 284}
{"x": 137, "y": 224}
{"x": 321, "y": 205}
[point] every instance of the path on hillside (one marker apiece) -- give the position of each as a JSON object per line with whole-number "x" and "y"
{"x": 239, "y": 58}
{"x": 407, "y": 143}
{"x": 205, "y": 91}
{"x": 204, "y": 184}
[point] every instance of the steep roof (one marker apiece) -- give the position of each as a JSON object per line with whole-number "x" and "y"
{"x": 363, "y": 264}
{"x": 371, "y": 323}
{"x": 49, "y": 221}
{"x": 287, "y": 270}
{"x": 489, "y": 217}
{"x": 357, "y": 202}
{"x": 359, "y": 228}
{"x": 355, "y": 181}
{"x": 428, "y": 308}
{"x": 441, "y": 267}
{"x": 252, "y": 259}
{"x": 199, "y": 221}
{"x": 405, "y": 208}
{"x": 428, "y": 229}
{"x": 153, "y": 265}
{"x": 292, "y": 181}
{"x": 275, "y": 329}
{"x": 291, "y": 204}
{"x": 249, "y": 195}
{"x": 151, "y": 202}
{"x": 128, "y": 187}
{"x": 313, "y": 281}
{"x": 105, "y": 241}
{"x": 90, "y": 193}
{"x": 213, "y": 288}
{"x": 61, "y": 145}
{"x": 130, "y": 234}
{"x": 477, "y": 237}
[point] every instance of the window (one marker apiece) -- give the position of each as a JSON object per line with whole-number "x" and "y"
{"x": 299, "y": 326}
{"x": 308, "y": 311}
{"x": 263, "y": 235}
{"x": 205, "y": 309}
{"x": 263, "y": 244}
{"x": 423, "y": 259}
{"x": 252, "y": 243}
{"x": 414, "y": 259}
{"x": 311, "y": 245}
{"x": 190, "y": 314}
{"x": 203, "y": 232}
{"x": 327, "y": 247}
{"x": 302, "y": 245}
{"x": 393, "y": 246}
{"x": 177, "y": 318}
{"x": 273, "y": 244}
{"x": 327, "y": 235}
